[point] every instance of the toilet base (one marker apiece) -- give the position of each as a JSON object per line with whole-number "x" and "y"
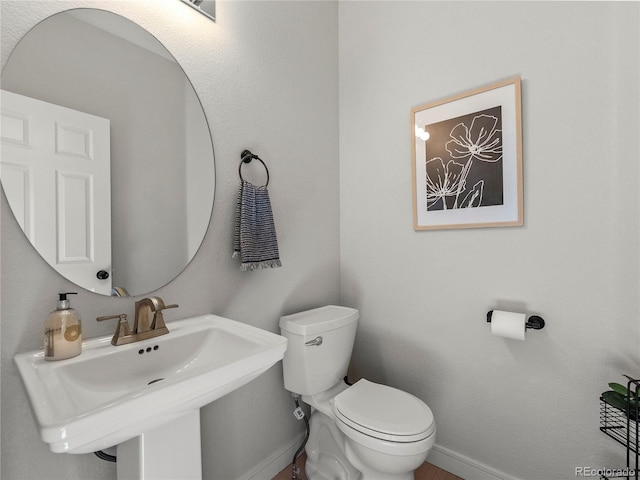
{"x": 326, "y": 459}
{"x": 367, "y": 473}
{"x": 333, "y": 456}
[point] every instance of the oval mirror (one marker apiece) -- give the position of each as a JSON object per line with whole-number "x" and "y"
{"x": 107, "y": 158}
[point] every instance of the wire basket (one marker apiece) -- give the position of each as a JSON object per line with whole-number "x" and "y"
{"x": 620, "y": 422}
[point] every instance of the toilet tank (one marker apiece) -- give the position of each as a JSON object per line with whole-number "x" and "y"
{"x": 319, "y": 347}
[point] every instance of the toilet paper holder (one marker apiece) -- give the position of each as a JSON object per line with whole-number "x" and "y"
{"x": 533, "y": 322}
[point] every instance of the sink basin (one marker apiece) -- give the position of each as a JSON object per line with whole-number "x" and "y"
{"x": 108, "y": 394}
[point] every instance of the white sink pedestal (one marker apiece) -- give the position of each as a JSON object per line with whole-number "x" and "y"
{"x": 169, "y": 451}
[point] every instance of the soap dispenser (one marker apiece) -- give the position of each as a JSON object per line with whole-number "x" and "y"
{"x": 63, "y": 331}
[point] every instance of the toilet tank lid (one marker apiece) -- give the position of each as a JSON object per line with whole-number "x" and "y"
{"x": 318, "y": 320}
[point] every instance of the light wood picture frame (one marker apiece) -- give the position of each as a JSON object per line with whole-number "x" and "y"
{"x": 467, "y": 159}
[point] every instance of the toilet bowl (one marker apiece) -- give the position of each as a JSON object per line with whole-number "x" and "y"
{"x": 387, "y": 431}
{"x": 364, "y": 431}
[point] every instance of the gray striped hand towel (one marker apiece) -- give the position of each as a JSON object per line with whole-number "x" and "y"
{"x": 255, "y": 242}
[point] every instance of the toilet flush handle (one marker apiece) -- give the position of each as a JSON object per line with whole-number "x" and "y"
{"x": 315, "y": 342}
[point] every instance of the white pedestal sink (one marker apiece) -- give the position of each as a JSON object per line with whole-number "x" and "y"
{"x": 145, "y": 397}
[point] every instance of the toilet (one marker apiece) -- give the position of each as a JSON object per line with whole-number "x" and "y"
{"x": 364, "y": 431}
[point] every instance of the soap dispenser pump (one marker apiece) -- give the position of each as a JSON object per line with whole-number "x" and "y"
{"x": 63, "y": 331}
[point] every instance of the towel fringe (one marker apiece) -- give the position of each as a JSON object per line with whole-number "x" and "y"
{"x": 248, "y": 266}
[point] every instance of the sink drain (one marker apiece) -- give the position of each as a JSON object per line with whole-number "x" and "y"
{"x": 156, "y": 380}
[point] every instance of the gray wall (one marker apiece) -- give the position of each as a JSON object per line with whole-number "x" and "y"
{"x": 266, "y": 73}
{"x": 526, "y": 410}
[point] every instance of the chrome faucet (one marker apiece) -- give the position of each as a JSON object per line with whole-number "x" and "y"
{"x": 145, "y": 326}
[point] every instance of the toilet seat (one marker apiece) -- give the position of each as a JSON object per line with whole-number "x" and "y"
{"x": 384, "y": 412}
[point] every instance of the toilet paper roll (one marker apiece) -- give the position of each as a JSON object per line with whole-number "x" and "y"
{"x": 508, "y": 324}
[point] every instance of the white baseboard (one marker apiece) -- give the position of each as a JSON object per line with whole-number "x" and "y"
{"x": 274, "y": 464}
{"x": 464, "y": 467}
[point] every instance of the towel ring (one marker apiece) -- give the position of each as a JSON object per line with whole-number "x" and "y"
{"x": 245, "y": 157}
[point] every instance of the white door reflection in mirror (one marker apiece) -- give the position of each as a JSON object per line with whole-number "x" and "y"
{"x": 56, "y": 173}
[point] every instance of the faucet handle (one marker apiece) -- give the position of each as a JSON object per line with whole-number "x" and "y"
{"x": 158, "y": 304}
{"x": 158, "y": 318}
{"x": 123, "y": 329}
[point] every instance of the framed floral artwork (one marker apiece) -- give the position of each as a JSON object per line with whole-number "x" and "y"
{"x": 467, "y": 159}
